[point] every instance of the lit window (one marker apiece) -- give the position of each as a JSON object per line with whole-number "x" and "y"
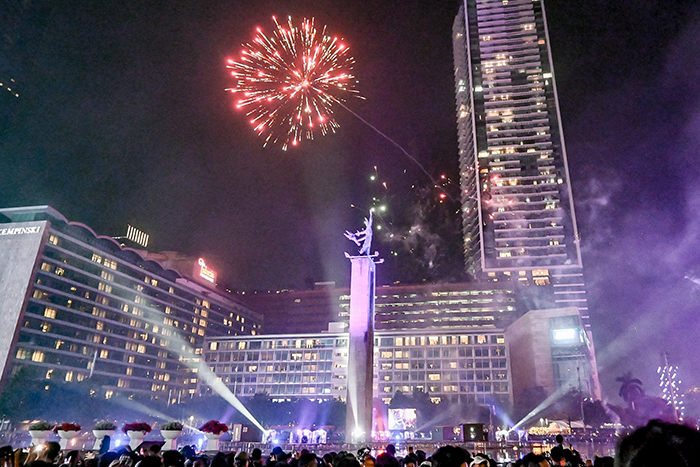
{"x": 49, "y": 312}
{"x": 38, "y": 356}
{"x": 69, "y": 376}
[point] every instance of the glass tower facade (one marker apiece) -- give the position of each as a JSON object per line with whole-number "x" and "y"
{"x": 518, "y": 215}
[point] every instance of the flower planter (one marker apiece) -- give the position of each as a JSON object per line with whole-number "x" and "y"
{"x": 99, "y": 436}
{"x": 170, "y": 437}
{"x": 66, "y": 436}
{"x": 135, "y": 438}
{"x": 39, "y": 436}
{"x": 212, "y": 441}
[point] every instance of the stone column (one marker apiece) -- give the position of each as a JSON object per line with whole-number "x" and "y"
{"x": 358, "y": 421}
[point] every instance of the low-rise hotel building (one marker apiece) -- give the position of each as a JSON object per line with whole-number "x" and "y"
{"x": 467, "y": 365}
{"x": 464, "y": 305}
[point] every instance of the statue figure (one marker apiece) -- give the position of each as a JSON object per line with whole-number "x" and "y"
{"x": 362, "y": 237}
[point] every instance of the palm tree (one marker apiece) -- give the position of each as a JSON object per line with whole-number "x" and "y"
{"x": 631, "y": 390}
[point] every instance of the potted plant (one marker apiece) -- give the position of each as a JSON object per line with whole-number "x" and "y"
{"x": 67, "y": 431}
{"x": 103, "y": 428}
{"x": 170, "y": 432}
{"x": 39, "y": 432}
{"x": 136, "y": 432}
{"x": 213, "y": 431}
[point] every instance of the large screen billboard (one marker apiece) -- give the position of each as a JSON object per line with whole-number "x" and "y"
{"x": 402, "y": 419}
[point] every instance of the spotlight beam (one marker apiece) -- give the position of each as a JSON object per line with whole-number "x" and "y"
{"x": 179, "y": 346}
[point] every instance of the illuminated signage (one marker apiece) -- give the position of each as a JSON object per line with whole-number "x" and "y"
{"x": 206, "y": 273}
{"x": 564, "y": 334}
{"x": 20, "y": 230}
{"x": 136, "y": 236}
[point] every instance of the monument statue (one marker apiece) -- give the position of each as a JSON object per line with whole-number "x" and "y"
{"x": 358, "y": 415}
{"x": 362, "y": 237}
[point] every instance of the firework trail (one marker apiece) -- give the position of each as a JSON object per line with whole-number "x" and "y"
{"x": 289, "y": 81}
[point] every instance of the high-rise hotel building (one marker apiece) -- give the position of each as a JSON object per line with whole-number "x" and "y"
{"x": 76, "y": 306}
{"x": 517, "y": 207}
{"x": 518, "y": 217}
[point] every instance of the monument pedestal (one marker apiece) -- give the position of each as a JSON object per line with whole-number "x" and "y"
{"x": 358, "y": 423}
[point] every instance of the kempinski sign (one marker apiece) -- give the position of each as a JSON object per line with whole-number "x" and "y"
{"x": 20, "y": 230}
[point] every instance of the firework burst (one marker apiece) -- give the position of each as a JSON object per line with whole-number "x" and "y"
{"x": 288, "y": 82}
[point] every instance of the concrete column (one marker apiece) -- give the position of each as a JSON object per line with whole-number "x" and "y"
{"x": 358, "y": 422}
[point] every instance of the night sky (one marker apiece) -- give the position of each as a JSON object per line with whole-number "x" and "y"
{"x": 122, "y": 118}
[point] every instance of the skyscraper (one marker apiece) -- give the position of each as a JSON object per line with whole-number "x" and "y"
{"x": 517, "y": 207}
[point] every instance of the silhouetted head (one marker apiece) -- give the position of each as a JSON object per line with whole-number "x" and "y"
{"x": 660, "y": 443}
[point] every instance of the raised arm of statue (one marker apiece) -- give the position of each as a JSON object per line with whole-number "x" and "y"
{"x": 362, "y": 238}
{"x": 367, "y": 244}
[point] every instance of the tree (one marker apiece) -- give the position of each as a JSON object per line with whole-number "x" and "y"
{"x": 631, "y": 389}
{"x": 400, "y": 401}
{"x": 595, "y": 413}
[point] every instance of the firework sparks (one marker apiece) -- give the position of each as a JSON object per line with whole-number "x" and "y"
{"x": 289, "y": 81}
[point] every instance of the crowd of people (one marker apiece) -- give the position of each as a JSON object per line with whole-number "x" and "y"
{"x": 656, "y": 444}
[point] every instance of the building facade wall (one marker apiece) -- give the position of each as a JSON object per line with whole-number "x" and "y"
{"x": 517, "y": 149}
{"x": 518, "y": 218}
{"x": 20, "y": 246}
{"x": 458, "y": 366}
{"x": 550, "y": 350}
{"x": 405, "y": 307}
{"x": 98, "y": 311}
